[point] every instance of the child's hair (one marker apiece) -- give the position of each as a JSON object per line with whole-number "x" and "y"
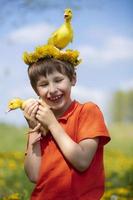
{"x": 47, "y": 66}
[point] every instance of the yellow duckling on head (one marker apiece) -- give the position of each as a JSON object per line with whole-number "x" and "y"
{"x": 64, "y": 35}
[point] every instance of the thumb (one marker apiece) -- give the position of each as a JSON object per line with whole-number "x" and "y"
{"x": 43, "y": 103}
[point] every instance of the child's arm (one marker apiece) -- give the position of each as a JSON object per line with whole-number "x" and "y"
{"x": 33, "y": 158}
{"x": 33, "y": 153}
{"x": 79, "y": 155}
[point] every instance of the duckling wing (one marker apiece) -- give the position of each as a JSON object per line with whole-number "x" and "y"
{"x": 53, "y": 38}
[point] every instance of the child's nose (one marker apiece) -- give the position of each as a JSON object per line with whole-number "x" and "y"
{"x": 52, "y": 88}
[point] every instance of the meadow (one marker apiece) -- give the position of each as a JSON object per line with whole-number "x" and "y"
{"x": 14, "y": 184}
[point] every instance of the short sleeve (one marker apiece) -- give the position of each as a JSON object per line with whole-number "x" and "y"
{"x": 91, "y": 124}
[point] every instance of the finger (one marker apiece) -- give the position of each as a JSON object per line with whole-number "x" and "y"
{"x": 43, "y": 109}
{"x": 28, "y": 104}
{"x": 37, "y": 127}
{"x": 38, "y": 138}
{"x": 30, "y": 112}
{"x": 29, "y": 109}
{"x": 34, "y": 111}
{"x": 43, "y": 103}
{"x": 39, "y": 115}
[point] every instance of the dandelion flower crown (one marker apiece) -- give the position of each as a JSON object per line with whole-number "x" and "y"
{"x": 50, "y": 51}
{"x": 58, "y": 40}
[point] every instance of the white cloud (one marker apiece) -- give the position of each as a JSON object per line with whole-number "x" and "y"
{"x": 35, "y": 33}
{"x": 113, "y": 49}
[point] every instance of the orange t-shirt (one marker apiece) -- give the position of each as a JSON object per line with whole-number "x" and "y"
{"x": 58, "y": 179}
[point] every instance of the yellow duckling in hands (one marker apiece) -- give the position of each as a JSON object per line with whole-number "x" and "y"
{"x": 64, "y": 35}
{"x": 20, "y": 103}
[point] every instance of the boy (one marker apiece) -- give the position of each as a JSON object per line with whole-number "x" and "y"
{"x": 67, "y": 162}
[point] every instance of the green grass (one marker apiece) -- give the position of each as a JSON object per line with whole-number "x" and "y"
{"x": 12, "y": 138}
{"x": 121, "y": 138}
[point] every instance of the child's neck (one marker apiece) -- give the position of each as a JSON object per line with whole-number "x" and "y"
{"x": 59, "y": 113}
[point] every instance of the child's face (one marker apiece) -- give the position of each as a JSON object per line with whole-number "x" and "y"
{"x": 55, "y": 90}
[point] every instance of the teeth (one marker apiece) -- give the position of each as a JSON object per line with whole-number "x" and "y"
{"x": 55, "y": 98}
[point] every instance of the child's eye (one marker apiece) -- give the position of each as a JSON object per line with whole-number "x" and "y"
{"x": 58, "y": 80}
{"x": 43, "y": 85}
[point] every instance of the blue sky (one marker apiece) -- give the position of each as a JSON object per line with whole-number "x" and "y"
{"x": 103, "y": 33}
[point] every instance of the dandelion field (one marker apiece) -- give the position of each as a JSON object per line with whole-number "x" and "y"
{"x": 14, "y": 184}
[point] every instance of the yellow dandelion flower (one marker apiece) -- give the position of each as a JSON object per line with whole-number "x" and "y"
{"x": 122, "y": 191}
{"x": 14, "y": 196}
{"x": 1, "y": 163}
{"x": 33, "y": 58}
{"x": 18, "y": 155}
{"x": 12, "y": 165}
{"x": 26, "y": 57}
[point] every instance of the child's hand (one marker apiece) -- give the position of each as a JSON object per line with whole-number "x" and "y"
{"x": 45, "y": 115}
{"x": 34, "y": 137}
{"x": 30, "y": 111}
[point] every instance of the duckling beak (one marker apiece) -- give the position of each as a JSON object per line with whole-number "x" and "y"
{"x": 65, "y": 16}
{"x": 8, "y": 110}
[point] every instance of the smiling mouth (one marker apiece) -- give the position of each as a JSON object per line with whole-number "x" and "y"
{"x": 56, "y": 98}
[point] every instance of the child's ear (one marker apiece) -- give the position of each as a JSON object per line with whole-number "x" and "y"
{"x": 74, "y": 79}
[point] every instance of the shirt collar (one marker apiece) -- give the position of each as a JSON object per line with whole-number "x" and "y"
{"x": 69, "y": 111}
